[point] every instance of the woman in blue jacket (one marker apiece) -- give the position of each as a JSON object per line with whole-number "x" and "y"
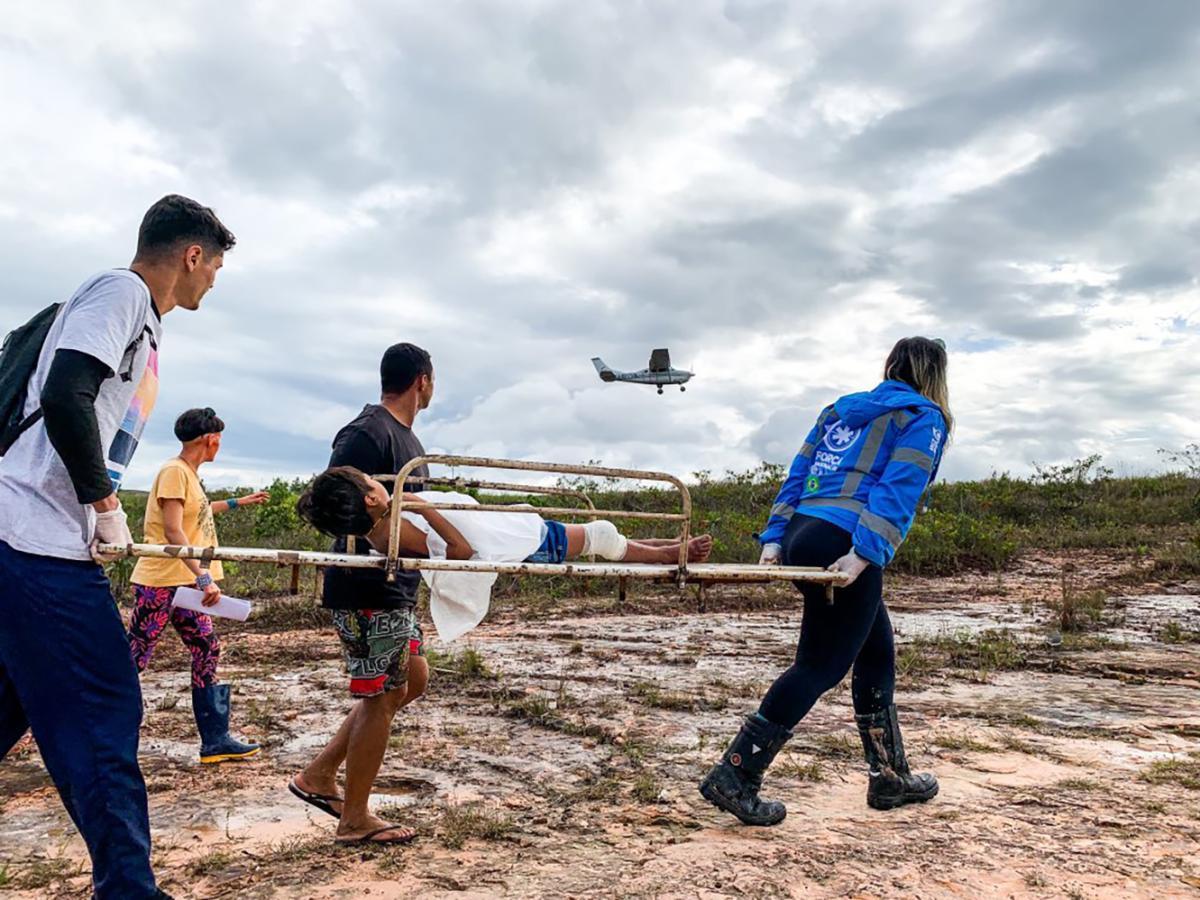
{"x": 847, "y": 504}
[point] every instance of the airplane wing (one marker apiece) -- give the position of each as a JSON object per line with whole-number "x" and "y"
{"x": 660, "y": 360}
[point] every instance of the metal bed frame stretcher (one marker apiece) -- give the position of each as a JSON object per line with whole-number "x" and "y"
{"x": 393, "y": 562}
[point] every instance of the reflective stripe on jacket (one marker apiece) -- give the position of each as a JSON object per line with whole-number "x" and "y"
{"x": 864, "y": 467}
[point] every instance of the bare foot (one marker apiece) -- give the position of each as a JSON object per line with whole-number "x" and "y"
{"x": 699, "y": 548}
{"x": 373, "y": 830}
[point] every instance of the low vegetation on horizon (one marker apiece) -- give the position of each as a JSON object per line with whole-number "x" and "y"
{"x": 964, "y": 526}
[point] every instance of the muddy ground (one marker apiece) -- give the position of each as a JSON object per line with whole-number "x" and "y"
{"x": 559, "y": 756}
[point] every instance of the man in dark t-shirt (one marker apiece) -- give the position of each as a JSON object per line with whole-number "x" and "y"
{"x": 375, "y": 620}
{"x": 379, "y": 443}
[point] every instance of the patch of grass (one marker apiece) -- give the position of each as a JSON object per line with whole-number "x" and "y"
{"x": 5, "y": 878}
{"x": 794, "y": 768}
{"x": 1085, "y": 785}
{"x": 1014, "y": 743}
{"x": 656, "y": 697}
{"x": 1079, "y": 610}
{"x": 1174, "y": 633}
{"x": 996, "y": 649}
{"x": 832, "y": 746}
{"x": 916, "y": 661}
{"x": 961, "y": 742}
{"x": 262, "y": 717}
{"x": 1183, "y": 772}
{"x": 472, "y": 820}
{"x": 634, "y": 748}
{"x": 464, "y": 665}
{"x": 296, "y": 849}
{"x": 41, "y": 874}
{"x": 212, "y": 862}
{"x": 646, "y": 788}
{"x": 991, "y": 650}
{"x": 541, "y": 711}
{"x": 1091, "y": 642}
{"x": 604, "y": 788}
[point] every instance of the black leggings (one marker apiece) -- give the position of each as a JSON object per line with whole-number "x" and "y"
{"x": 855, "y": 630}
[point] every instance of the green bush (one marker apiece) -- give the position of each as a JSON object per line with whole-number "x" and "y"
{"x": 941, "y": 542}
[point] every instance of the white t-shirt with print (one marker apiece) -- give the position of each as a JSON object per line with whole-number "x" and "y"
{"x": 39, "y": 512}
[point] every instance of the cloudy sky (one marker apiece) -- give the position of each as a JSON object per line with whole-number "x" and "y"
{"x": 774, "y": 190}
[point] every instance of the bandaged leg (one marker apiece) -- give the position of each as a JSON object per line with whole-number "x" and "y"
{"x": 602, "y": 539}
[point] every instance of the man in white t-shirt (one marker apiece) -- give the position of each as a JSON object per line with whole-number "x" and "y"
{"x": 65, "y": 670}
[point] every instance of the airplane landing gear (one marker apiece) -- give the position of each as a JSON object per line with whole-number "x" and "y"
{"x": 660, "y": 389}
{"x": 682, "y": 389}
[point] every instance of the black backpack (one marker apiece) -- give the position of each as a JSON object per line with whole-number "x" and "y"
{"x": 19, "y": 356}
{"x": 18, "y": 360}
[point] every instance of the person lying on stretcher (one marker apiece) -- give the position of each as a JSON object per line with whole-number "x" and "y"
{"x": 342, "y": 501}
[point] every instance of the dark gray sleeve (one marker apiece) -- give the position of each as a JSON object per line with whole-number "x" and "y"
{"x": 69, "y": 410}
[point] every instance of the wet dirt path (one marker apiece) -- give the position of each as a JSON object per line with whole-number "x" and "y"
{"x": 569, "y": 767}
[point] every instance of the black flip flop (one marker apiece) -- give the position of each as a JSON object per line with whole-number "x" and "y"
{"x": 369, "y": 837}
{"x": 320, "y": 801}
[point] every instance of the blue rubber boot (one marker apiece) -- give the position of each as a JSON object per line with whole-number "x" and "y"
{"x": 211, "y": 706}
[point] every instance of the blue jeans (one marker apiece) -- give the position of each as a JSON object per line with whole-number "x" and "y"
{"x": 65, "y": 672}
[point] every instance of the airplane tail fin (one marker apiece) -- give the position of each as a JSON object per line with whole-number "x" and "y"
{"x": 605, "y": 373}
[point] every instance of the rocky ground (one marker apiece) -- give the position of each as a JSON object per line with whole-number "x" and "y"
{"x": 557, "y": 753}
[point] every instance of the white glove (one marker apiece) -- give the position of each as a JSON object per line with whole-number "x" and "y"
{"x": 112, "y": 527}
{"x": 772, "y": 555}
{"x": 851, "y": 565}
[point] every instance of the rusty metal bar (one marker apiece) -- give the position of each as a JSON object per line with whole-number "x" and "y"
{"x": 398, "y": 506}
{"x": 467, "y": 484}
{"x": 706, "y": 572}
{"x": 550, "y": 510}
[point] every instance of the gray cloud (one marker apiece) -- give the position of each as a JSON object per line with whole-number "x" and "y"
{"x": 774, "y": 190}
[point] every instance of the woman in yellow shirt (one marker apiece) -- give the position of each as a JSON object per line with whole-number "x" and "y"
{"x": 178, "y": 512}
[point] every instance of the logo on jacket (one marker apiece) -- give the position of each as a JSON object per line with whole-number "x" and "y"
{"x": 841, "y": 436}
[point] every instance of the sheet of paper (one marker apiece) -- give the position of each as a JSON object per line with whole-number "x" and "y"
{"x": 226, "y": 607}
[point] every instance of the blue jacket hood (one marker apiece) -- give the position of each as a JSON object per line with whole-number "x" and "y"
{"x": 856, "y": 410}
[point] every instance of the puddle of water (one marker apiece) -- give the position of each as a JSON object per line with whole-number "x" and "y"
{"x": 1146, "y": 616}
{"x": 1069, "y": 701}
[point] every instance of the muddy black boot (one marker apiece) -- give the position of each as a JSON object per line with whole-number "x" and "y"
{"x": 733, "y": 783}
{"x": 892, "y": 784}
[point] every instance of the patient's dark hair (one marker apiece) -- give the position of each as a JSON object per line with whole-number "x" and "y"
{"x": 334, "y": 502}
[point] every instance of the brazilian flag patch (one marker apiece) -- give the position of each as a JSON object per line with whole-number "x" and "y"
{"x": 813, "y": 484}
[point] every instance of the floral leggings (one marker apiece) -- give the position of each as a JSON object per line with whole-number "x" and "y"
{"x": 151, "y": 611}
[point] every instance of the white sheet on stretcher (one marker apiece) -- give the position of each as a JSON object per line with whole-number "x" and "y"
{"x": 458, "y": 601}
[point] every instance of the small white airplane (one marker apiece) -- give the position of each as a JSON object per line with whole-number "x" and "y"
{"x": 658, "y": 373}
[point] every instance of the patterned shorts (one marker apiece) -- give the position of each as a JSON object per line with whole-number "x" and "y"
{"x": 378, "y": 644}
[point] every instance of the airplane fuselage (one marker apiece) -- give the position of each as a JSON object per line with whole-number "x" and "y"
{"x": 646, "y": 376}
